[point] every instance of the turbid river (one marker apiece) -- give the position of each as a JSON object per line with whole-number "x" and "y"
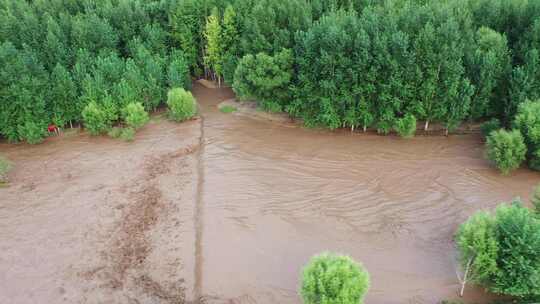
{"x": 274, "y": 195}
{"x": 228, "y": 208}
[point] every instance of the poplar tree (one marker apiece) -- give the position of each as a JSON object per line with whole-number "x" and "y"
{"x": 214, "y": 46}
{"x": 230, "y": 41}
{"x": 491, "y": 63}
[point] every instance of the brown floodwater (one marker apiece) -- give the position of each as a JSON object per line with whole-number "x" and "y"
{"x": 276, "y": 194}
{"x": 228, "y": 209}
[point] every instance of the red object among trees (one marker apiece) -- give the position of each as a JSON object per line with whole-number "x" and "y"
{"x": 52, "y": 128}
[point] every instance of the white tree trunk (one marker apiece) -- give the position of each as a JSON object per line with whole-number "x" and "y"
{"x": 426, "y": 126}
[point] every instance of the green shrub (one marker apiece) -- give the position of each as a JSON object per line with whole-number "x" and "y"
{"x": 406, "y": 126}
{"x": 491, "y": 125}
{"x": 506, "y": 149}
{"x": 32, "y": 132}
{"x": 228, "y": 109}
{"x": 115, "y": 132}
{"x": 502, "y": 250}
{"x": 95, "y": 119}
{"x": 135, "y": 116}
{"x": 528, "y": 122}
{"x": 128, "y": 134}
{"x": 5, "y": 166}
{"x": 333, "y": 279}
{"x": 182, "y": 105}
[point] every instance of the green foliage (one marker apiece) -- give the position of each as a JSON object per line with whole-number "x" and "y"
{"x": 265, "y": 78}
{"x": 115, "y": 132}
{"x": 491, "y": 64}
{"x": 135, "y": 116}
{"x": 270, "y": 25}
{"x": 506, "y": 149}
{"x": 32, "y": 132}
{"x": 477, "y": 244}
{"x": 334, "y": 279}
{"x": 178, "y": 71}
{"x": 127, "y": 134}
{"x": 230, "y": 43}
{"x": 95, "y": 119}
{"x": 214, "y": 46}
{"x": 339, "y": 63}
{"x": 182, "y": 105}
{"x": 228, "y": 109}
{"x": 489, "y": 126}
{"x": 527, "y": 121}
{"x": 518, "y": 235}
{"x": 503, "y": 249}
{"x": 406, "y": 126}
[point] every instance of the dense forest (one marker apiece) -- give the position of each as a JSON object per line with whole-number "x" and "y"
{"x": 332, "y": 63}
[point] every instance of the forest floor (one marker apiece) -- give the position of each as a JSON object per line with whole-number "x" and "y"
{"x": 227, "y": 208}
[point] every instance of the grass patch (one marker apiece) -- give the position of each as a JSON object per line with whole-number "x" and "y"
{"x": 228, "y": 109}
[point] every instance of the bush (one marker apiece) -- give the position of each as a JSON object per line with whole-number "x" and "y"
{"x": 135, "y": 116}
{"x": 406, "y": 126}
{"x": 32, "y": 132}
{"x": 334, "y": 279}
{"x": 502, "y": 250}
{"x": 128, "y": 134}
{"x": 528, "y": 122}
{"x": 5, "y": 166}
{"x": 491, "y": 125}
{"x": 115, "y": 132}
{"x": 182, "y": 105}
{"x": 506, "y": 149}
{"x": 95, "y": 119}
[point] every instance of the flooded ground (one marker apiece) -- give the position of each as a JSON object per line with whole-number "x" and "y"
{"x": 227, "y": 209}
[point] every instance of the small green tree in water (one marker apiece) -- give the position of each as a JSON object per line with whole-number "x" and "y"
{"x": 506, "y": 149}
{"x": 406, "y": 126}
{"x": 500, "y": 251}
{"x": 334, "y": 279}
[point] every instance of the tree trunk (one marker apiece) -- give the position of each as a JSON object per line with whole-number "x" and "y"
{"x": 426, "y": 126}
{"x": 352, "y": 128}
{"x": 464, "y": 281}
{"x": 219, "y": 81}
{"x": 365, "y": 128}
{"x": 446, "y": 132}
{"x": 70, "y": 124}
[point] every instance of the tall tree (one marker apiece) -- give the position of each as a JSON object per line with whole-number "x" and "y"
{"x": 490, "y": 68}
{"x": 213, "y": 58}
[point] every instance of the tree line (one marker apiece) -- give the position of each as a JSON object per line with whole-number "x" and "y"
{"x": 379, "y": 64}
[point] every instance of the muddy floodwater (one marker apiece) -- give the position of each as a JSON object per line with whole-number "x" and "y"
{"x": 227, "y": 209}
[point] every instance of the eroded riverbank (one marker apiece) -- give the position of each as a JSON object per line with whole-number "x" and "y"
{"x": 227, "y": 209}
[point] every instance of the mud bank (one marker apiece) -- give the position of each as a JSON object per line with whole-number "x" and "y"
{"x": 96, "y": 220}
{"x": 228, "y": 209}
